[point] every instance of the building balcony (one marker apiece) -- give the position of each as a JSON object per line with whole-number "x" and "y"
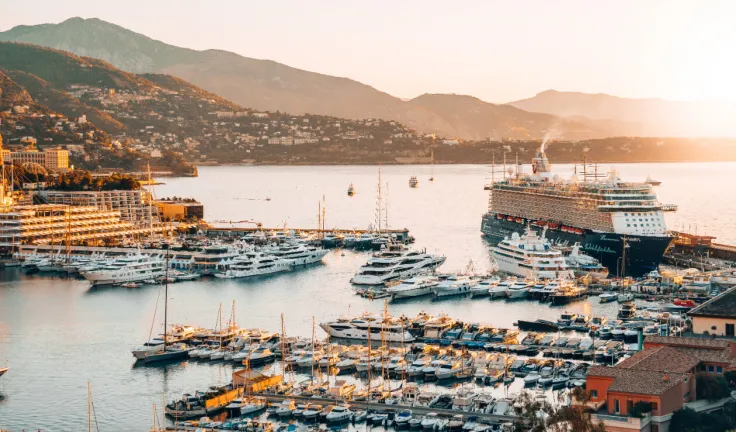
{"x": 618, "y": 422}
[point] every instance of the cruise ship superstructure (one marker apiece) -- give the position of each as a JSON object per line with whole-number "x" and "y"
{"x": 605, "y": 215}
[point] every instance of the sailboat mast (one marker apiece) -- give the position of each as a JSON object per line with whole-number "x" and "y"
{"x": 166, "y": 296}
{"x": 89, "y": 406}
{"x": 283, "y": 347}
{"x": 370, "y": 361}
{"x": 313, "y": 350}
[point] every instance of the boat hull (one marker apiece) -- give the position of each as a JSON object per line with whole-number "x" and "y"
{"x": 643, "y": 254}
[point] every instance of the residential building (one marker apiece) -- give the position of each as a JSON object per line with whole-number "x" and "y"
{"x": 135, "y": 206}
{"x": 662, "y": 375}
{"x": 53, "y": 223}
{"x": 56, "y": 159}
{"x": 717, "y": 316}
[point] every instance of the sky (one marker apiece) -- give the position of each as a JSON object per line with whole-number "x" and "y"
{"x": 499, "y": 51}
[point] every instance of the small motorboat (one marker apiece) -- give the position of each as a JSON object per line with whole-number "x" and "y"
{"x": 351, "y": 190}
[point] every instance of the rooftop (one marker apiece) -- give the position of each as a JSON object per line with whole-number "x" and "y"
{"x": 645, "y": 382}
{"x": 721, "y": 306}
{"x": 661, "y": 359}
{"x": 690, "y": 342}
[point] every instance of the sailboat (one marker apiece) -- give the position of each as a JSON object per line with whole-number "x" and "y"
{"x": 168, "y": 352}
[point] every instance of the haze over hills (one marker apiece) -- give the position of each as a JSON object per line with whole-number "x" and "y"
{"x": 640, "y": 117}
{"x": 267, "y": 85}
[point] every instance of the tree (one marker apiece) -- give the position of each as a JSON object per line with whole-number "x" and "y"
{"x": 685, "y": 420}
{"x": 537, "y": 415}
{"x": 577, "y": 416}
{"x": 711, "y": 387}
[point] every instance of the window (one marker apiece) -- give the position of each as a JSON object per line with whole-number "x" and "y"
{"x": 719, "y": 369}
{"x": 654, "y": 405}
{"x": 594, "y": 393}
{"x": 616, "y": 408}
{"x": 628, "y": 225}
{"x": 711, "y": 368}
{"x": 730, "y": 330}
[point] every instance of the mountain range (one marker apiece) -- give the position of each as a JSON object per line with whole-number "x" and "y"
{"x": 271, "y": 86}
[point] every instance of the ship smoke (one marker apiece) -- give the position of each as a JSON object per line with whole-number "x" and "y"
{"x": 551, "y": 134}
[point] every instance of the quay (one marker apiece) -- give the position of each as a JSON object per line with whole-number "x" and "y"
{"x": 401, "y": 234}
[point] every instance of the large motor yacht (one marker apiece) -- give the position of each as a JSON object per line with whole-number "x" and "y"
{"x": 395, "y": 262}
{"x": 414, "y": 287}
{"x": 360, "y": 327}
{"x": 132, "y": 268}
{"x": 298, "y": 253}
{"x": 254, "y": 264}
{"x": 530, "y": 256}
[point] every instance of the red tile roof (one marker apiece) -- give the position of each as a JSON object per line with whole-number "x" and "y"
{"x": 689, "y": 341}
{"x": 637, "y": 381}
{"x": 661, "y": 359}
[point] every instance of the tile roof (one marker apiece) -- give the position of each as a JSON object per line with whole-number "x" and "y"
{"x": 693, "y": 342}
{"x": 722, "y": 306}
{"x": 661, "y": 359}
{"x": 636, "y": 381}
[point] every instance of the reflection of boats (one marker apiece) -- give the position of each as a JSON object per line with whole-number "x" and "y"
{"x": 651, "y": 181}
{"x": 351, "y": 190}
{"x": 413, "y": 182}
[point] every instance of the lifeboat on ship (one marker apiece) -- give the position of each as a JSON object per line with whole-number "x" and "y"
{"x": 499, "y": 216}
{"x": 510, "y": 218}
{"x": 519, "y": 220}
{"x": 553, "y": 225}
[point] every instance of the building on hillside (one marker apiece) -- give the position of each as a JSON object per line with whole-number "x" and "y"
{"x": 180, "y": 211}
{"x": 56, "y": 159}
{"x": 717, "y": 316}
{"x": 135, "y": 206}
{"x": 662, "y": 376}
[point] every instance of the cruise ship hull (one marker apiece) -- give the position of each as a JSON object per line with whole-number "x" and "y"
{"x": 642, "y": 255}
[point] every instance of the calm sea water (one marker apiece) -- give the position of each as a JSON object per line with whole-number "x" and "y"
{"x": 56, "y": 334}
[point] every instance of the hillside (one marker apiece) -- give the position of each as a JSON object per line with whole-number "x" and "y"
{"x": 644, "y": 117}
{"x": 271, "y": 86}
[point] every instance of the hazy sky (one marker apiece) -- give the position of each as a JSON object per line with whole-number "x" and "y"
{"x": 496, "y": 50}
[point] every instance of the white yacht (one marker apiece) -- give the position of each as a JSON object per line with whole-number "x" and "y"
{"x": 254, "y": 264}
{"x": 395, "y": 262}
{"x": 519, "y": 289}
{"x": 499, "y": 290}
{"x": 455, "y": 285}
{"x": 298, "y": 253}
{"x": 132, "y": 268}
{"x": 360, "y": 327}
{"x": 583, "y": 265}
{"x": 414, "y": 287}
{"x": 483, "y": 287}
{"x": 530, "y": 256}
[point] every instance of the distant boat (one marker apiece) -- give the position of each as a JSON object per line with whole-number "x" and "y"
{"x": 3, "y": 370}
{"x": 351, "y": 190}
{"x": 652, "y": 182}
{"x": 413, "y": 182}
{"x": 431, "y": 176}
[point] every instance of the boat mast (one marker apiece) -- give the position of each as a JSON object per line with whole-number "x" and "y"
{"x": 283, "y": 347}
{"x": 313, "y": 351}
{"x": 89, "y": 407}
{"x": 166, "y": 295}
{"x": 379, "y": 199}
{"x": 370, "y": 362}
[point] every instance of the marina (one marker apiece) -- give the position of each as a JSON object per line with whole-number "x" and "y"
{"x": 41, "y": 334}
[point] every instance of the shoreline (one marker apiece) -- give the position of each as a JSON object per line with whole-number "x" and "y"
{"x": 563, "y": 162}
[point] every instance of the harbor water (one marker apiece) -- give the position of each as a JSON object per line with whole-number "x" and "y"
{"x": 57, "y": 334}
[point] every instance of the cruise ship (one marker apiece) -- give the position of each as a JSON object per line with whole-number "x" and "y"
{"x": 132, "y": 268}
{"x": 388, "y": 329}
{"x": 605, "y": 214}
{"x": 395, "y": 262}
{"x": 530, "y": 256}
